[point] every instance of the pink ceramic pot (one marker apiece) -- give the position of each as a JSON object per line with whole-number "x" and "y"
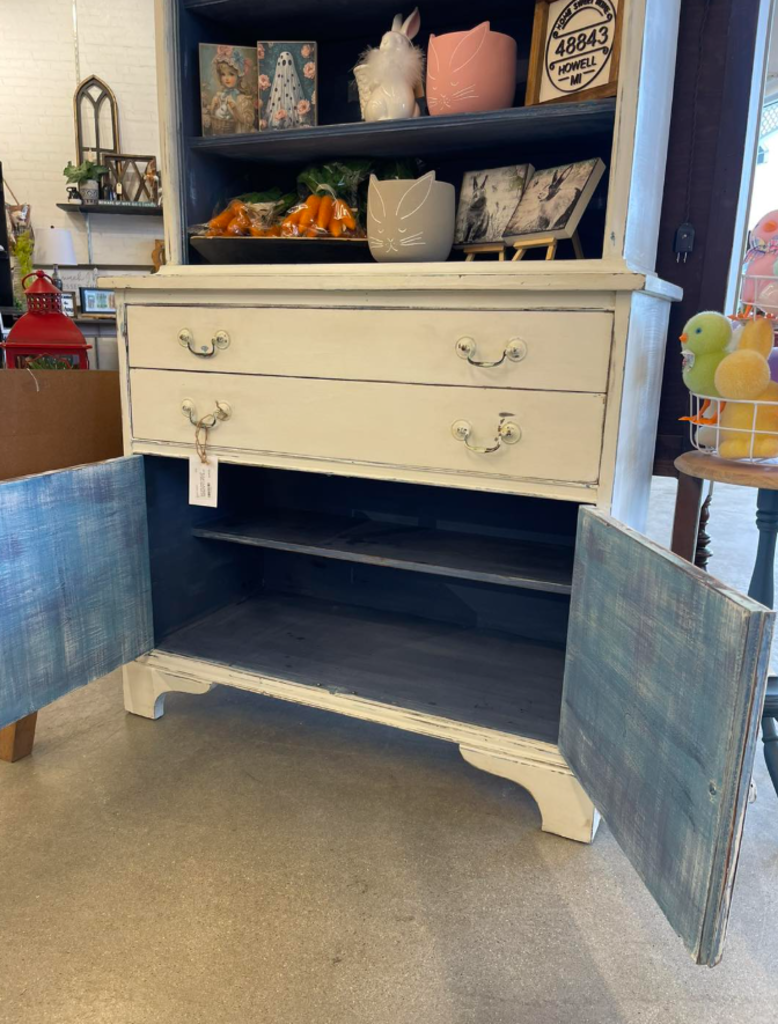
{"x": 469, "y": 71}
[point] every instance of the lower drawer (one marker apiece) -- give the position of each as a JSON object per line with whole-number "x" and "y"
{"x": 547, "y": 435}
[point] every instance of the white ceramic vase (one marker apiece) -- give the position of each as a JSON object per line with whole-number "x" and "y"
{"x": 410, "y": 220}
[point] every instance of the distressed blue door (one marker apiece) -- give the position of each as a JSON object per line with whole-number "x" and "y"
{"x": 75, "y": 591}
{"x": 663, "y": 691}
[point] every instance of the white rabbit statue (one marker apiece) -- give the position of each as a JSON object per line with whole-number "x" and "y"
{"x": 389, "y": 78}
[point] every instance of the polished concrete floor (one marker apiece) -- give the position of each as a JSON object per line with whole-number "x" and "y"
{"x": 244, "y": 861}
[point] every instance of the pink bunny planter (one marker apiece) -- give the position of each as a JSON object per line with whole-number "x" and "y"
{"x": 469, "y": 71}
{"x": 760, "y": 278}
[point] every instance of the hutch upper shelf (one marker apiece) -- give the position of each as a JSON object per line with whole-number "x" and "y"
{"x": 431, "y": 137}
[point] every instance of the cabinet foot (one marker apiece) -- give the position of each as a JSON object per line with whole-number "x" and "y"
{"x": 145, "y": 689}
{"x": 564, "y": 808}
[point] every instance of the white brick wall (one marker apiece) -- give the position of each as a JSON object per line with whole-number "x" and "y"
{"x": 38, "y": 77}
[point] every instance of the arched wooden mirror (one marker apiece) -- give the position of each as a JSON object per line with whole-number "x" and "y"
{"x": 97, "y": 120}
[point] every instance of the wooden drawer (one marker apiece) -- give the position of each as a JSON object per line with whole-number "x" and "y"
{"x": 565, "y": 351}
{"x": 384, "y": 424}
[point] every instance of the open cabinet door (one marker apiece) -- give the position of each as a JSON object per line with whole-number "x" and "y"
{"x": 663, "y": 691}
{"x": 75, "y": 587}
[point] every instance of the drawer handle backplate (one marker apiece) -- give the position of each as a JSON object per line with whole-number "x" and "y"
{"x": 220, "y": 340}
{"x": 507, "y": 433}
{"x": 515, "y": 350}
{"x": 223, "y": 411}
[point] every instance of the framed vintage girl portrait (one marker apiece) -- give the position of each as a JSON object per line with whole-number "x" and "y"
{"x": 228, "y": 89}
{"x": 575, "y": 51}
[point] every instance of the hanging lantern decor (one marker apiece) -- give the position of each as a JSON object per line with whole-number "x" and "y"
{"x": 45, "y": 338}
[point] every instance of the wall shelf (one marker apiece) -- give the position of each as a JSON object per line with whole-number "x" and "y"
{"x": 112, "y": 208}
{"x": 421, "y": 136}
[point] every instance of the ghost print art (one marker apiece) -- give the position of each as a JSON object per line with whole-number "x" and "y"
{"x": 287, "y": 85}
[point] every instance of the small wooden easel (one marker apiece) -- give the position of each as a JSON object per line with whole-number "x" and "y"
{"x": 549, "y": 244}
{"x": 484, "y": 247}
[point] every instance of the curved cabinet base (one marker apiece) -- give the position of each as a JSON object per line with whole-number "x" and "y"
{"x": 564, "y": 808}
{"x": 145, "y": 689}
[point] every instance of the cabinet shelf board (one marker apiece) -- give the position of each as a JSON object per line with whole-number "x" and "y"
{"x": 488, "y": 559}
{"x": 452, "y": 134}
{"x": 479, "y": 677}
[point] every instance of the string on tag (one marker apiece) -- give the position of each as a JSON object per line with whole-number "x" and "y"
{"x": 201, "y": 439}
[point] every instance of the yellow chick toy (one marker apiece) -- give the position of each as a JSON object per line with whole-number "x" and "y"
{"x": 746, "y": 430}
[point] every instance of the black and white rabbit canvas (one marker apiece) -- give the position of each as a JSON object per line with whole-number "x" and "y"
{"x": 554, "y": 201}
{"x": 486, "y": 202}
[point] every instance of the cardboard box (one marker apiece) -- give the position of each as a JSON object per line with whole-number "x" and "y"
{"x": 52, "y": 419}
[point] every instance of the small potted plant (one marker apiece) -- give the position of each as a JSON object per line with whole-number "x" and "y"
{"x": 86, "y": 176}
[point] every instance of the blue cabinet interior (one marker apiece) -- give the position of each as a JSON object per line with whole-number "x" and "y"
{"x": 238, "y": 602}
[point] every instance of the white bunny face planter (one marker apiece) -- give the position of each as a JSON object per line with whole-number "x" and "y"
{"x": 410, "y": 221}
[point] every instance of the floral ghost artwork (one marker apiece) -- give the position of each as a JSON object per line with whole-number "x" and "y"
{"x": 287, "y": 84}
{"x": 287, "y": 93}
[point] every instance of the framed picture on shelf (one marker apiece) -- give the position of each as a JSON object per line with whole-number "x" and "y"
{"x": 575, "y": 50}
{"x": 69, "y": 303}
{"x": 554, "y": 202}
{"x": 287, "y": 85}
{"x": 228, "y": 89}
{"x": 486, "y": 202}
{"x": 98, "y": 302}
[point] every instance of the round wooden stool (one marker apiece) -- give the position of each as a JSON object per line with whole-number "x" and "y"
{"x": 693, "y": 469}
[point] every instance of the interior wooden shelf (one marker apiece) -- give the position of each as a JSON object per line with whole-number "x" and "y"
{"x": 481, "y": 677}
{"x": 508, "y": 562}
{"x": 452, "y": 134}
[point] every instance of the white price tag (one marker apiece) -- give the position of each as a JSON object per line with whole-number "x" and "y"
{"x": 203, "y": 481}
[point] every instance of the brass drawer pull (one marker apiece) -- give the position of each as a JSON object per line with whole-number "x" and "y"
{"x": 507, "y": 433}
{"x": 515, "y": 350}
{"x": 220, "y": 340}
{"x": 223, "y": 411}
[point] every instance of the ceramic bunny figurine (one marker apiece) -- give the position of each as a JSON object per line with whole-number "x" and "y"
{"x": 389, "y": 77}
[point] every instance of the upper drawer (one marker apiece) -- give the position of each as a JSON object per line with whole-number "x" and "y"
{"x": 546, "y": 435}
{"x": 556, "y": 351}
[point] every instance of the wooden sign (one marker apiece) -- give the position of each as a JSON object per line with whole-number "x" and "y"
{"x": 575, "y": 50}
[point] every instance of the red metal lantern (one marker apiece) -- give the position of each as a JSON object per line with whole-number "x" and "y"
{"x": 44, "y": 332}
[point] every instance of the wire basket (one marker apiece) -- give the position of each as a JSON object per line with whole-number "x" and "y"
{"x": 759, "y": 295}
{"x": 734, "y": 429}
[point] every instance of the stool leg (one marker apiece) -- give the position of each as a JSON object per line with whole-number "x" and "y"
{"x": 687, "y": 517}
{"x": 762, "y": 589}
{"x": 762, "y": 585}
{"x": 770, "y": 741}
{"x": 702, "y": 551}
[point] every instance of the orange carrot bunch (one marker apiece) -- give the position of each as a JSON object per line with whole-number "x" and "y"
{"x": 320, "y": 216}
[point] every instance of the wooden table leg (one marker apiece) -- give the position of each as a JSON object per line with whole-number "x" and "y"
{"x": 16, "y": 739}
{"x": 686, "y": 523}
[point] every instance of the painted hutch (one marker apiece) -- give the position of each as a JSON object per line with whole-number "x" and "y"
{"x": 431, "y": 477}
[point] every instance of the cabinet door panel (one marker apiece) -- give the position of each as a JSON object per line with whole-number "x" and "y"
{"x": 75, "y": 590}
{"x": 663, "y": 691}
